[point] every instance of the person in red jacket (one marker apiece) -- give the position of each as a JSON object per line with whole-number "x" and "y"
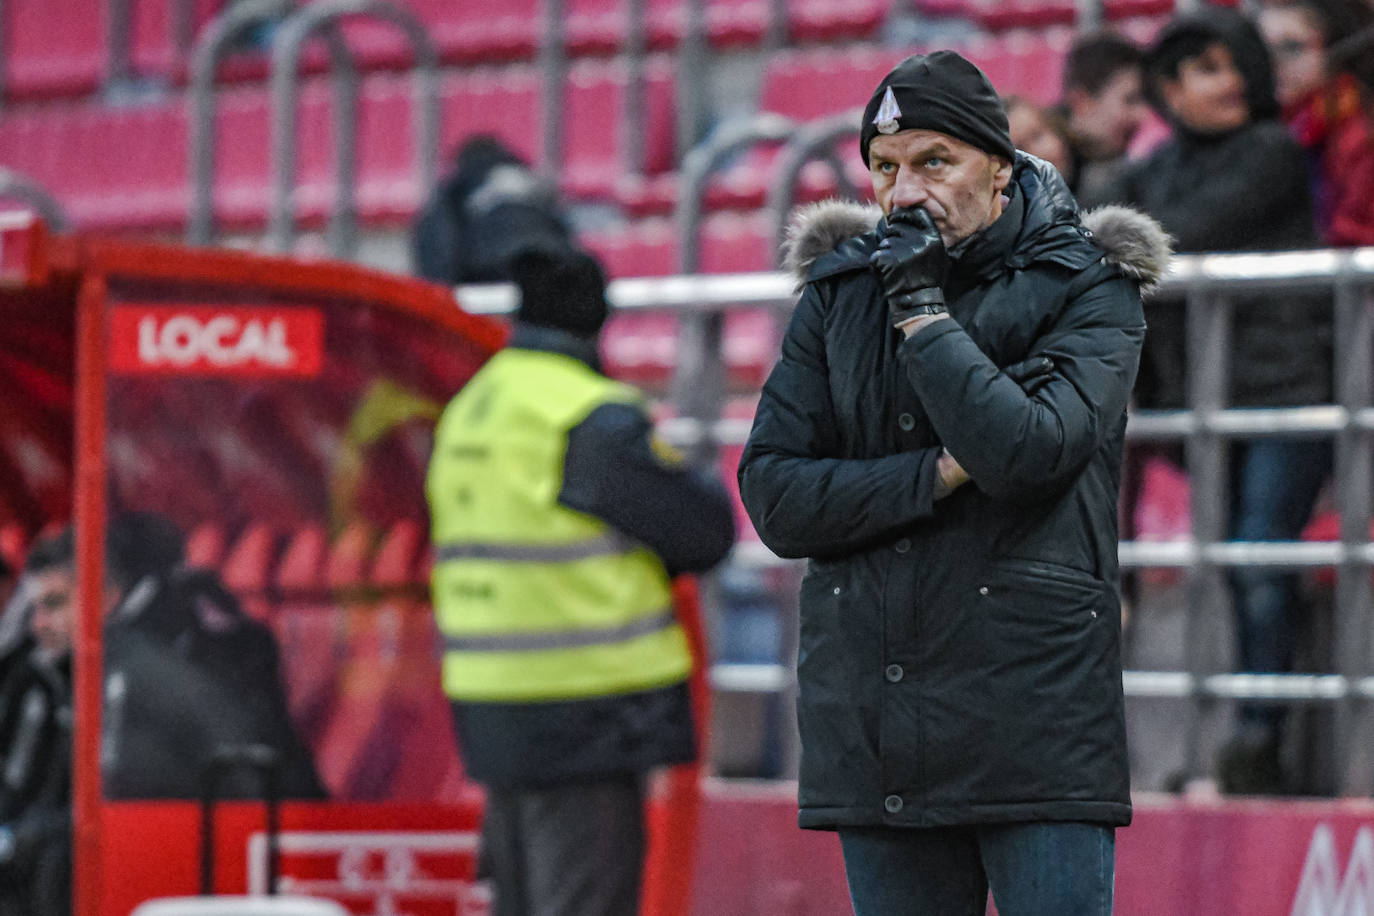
{"x": 1315, "y": 45}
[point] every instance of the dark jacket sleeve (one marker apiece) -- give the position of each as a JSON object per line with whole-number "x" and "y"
{"x": 803, "y": 499}
{"x": 612, "y": 472}
{"x": 1017, "y": 446}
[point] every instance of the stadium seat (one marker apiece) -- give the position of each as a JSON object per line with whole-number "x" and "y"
{"x": 595, "y": 166}
{"x": 463, "y": 31}
{"x": 835, "y": 20}
{"x": 349, "y": 557}
{"x": 1113, "y": 10}
{"x": 53, "y": 49}
{"x": 397, "y": 562}
{"x": 205, "y": 546}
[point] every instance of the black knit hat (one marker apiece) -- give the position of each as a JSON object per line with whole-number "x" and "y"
{"x": 563, "y": 289}
{"x": 940, "y": 91}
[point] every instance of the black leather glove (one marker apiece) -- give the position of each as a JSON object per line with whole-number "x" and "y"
{"x": 912, "y": 265}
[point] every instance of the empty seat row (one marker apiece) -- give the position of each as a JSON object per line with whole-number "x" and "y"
{"x": 64, "y": 49}
{"x": 126, "y": 168}
{"x": 998, "y": 15}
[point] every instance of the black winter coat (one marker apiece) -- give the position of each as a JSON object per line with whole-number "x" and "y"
{"x": 959, "y": 659}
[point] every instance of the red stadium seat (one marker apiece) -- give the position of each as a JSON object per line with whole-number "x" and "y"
{"x": 53, "y": 49}
{"x": 205, "y": 546}
{"x": 463, "y": 31}
{"x": 349, "y": 558}
{"x": 1113, "y": 10}
{"x": 302, "y": 564}
{"x": 595, "y": 165}
{"x": 398, "y": 558}
{"x": 643, "y": 248}
{"x": 835, "y": 20}
{"x": 247, "y": 568}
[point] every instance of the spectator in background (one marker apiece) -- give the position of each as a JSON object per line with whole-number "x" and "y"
{"x": 1038, "y": 131}
{"x": 187, "y": 672}
{"x": 489, "y": 207}
{"x": 1324, "y": 109}
{"x": 35, "y": 745}
{"x": 558, "y": 520}
{"x": 1102, "y": 105}
{"x": 1231, "y": 178}
{"x": 15, "y": 639}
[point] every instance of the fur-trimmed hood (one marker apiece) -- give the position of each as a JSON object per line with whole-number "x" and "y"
{"x": 1132, "y": 241}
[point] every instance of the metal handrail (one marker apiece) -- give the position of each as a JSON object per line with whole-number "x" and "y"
{"x": 17, "y": 185}
{"x": 286, "y": 56}
{"x": 209, "y": 49}
{"x": 813, "y": 141}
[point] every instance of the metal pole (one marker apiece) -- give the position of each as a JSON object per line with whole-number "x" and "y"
{"x": 553, "y": 63}
{"x": 1354, "y": 330}
{"x": 209, "y": 49}
{"x": 285, "y": 91}
{"x": 812, "y": 141}
{"x": 14, "y": 184}
{"x": 1208, "y": 342}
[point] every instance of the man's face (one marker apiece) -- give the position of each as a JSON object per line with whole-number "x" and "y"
{"x": 1209, "y": 94}
{"x": 1107, "y": 121}
{"x": 54, "y": 592}
{"x": 957, "y": 183}
{"x": 1295, "y": 40}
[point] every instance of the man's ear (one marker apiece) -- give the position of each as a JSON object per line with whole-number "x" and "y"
{"x": 1002, "y": 176}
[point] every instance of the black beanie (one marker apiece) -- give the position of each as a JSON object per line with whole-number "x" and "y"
{"x": 940, "y": 91}
{"x": 563, "y": 289}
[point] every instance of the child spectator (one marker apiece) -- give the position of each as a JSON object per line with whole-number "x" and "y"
{"x": 1102, "y": 105}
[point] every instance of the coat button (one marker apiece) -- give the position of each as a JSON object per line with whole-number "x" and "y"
{"x": 893, "y": 673}
{"x": 983, "y": 590}
{"x": 837, "y": 589}
{"x": 907, "y": 422}
{"x": 893, "y": 804}
{"x": 902, "y": 546}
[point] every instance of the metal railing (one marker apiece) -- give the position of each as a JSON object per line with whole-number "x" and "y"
{"x": 296, "y": 26}
{"x": 1207, "y": 283}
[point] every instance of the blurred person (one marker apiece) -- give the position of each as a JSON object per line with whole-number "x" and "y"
{"x": 1324, "y": 109}
{"x": 558, "y": 521}
{"x": 35, "y": 745}
{"x": 1037, "y": 131}
{"x": 1103, "y": 105}
{"x": 489, "y": 207}
{"x": 186, "y": 672}
{"x": 1231, "y": 178}
{"x": 15, "y": 638}
{"x": 941, "y": 440}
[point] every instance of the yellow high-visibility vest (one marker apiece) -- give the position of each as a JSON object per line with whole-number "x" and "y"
{"x": 534, "y": 601}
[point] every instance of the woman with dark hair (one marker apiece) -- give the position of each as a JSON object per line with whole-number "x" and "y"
{"x": 1323, "y": 106}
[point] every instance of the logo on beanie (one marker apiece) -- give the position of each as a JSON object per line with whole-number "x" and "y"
{"x": 888, "y": 113}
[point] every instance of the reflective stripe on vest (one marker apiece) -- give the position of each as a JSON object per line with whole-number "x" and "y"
{"x": 534, "y": 601}
{"x": 566, "y": 639}
{"x": 607, "y": 544}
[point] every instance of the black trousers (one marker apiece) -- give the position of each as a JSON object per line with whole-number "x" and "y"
{"x": 575, "y": 850}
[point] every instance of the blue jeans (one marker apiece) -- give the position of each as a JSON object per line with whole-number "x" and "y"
{"x": 1274, "y": 484}
{"x": 1033, "y": 869}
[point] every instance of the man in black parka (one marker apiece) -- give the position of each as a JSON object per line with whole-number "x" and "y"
{"x": 942, "y": 439}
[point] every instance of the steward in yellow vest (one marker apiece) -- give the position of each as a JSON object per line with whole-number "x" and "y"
{"x": 557, "y": 525}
